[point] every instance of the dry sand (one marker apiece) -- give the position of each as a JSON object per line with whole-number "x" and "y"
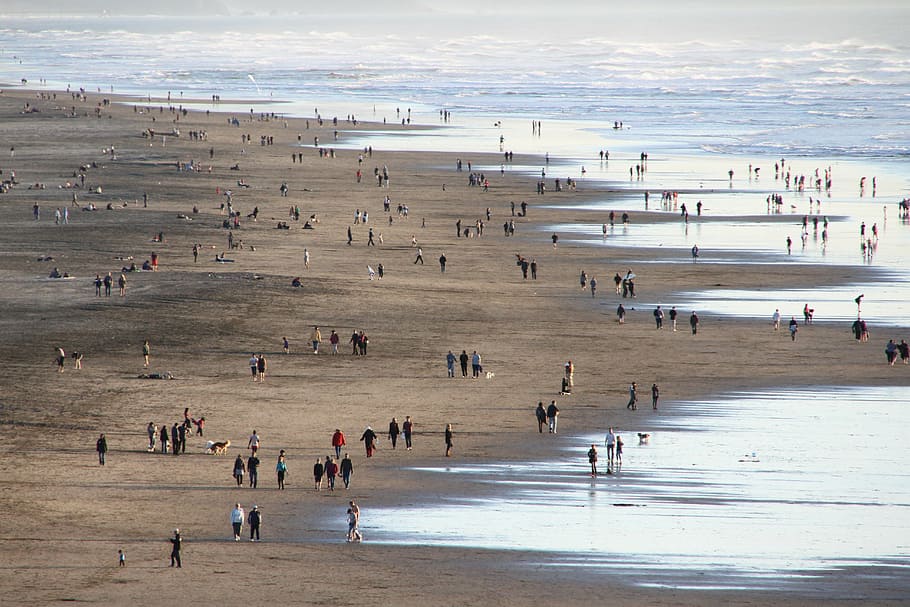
{"x": 65, "y": 517}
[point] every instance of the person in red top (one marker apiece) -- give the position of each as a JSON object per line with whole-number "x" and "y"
{"x": 338, "y": 442}
{"x": 333, "y": 339}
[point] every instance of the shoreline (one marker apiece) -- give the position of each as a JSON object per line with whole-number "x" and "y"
{"x": 204, "y": 319}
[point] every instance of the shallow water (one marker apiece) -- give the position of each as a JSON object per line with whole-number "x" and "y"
{"x": 747, "y": 490}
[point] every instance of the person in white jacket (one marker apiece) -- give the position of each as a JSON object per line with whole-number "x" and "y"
{"x": 237, "y": 521}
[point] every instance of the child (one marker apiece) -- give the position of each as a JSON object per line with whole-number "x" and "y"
{"x": 287, "y": 345}
{"x": 121, "y": 558}
{"x": 619, "y": 451}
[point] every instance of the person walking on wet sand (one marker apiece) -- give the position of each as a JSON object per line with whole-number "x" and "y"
{"x": 541, "y": 415}
{"x": 610, "y": 442}
{"x": 794, "y": 327}
{"x": 449, "y": 443}
{"x": 146, "y": 352}
{"x": 775, "y": 319}
{"x": 655, "y": 395}
{"x": 693, "y": 322}
{"x": 176, "y": 545}
{"x": 592, "y": 459}
{"x": 633, "y": 397}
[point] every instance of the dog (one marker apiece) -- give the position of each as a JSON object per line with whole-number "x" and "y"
{"x": 643, "y": 438}
{"x": 217, "y": 448}
{"x": 490, "y": 375}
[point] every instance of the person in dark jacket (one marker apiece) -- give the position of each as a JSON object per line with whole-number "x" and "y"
{"x": 394, "y": 431}
{"x": 369, "y": 440}
{"x": 101, "y": 448}
{"x": 255, "y": 520}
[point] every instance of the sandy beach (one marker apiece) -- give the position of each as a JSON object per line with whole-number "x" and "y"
{"x": 65, "y": 517}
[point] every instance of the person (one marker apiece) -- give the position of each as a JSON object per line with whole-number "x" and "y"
{"x": 369, "y": 441}
{"x": 463, "y": 359}
{"x": 254, "y": 366}
{"x": 476, "y": 368}
{"x": 450, "y": 363}
{"x": 610, "y": 442}
{"x": 121, "y": 282}
{"x": 891, "y": 352}
{"x": 252, "y": 467}
{"x": 659, "y": 317}
{"x": 255, "y": 521}
{"x": 552, "y": 416}
{"x": 316, "y": 338}
{"x": 237, "y": 516}
{"x": 541, "y": 414}
{"x": 394, "y": 431}
{"x": 338, "y": 441}
{"x": 146, "y": 352}
{"x": 775, "y": 319}
{"x": 794, "y": 327}
{"x": 619, "y": 444}
{"x": 286, "y": 345}
{"x": 121, "y": 558}
{"x": 617, "y": 280}
{"x": 655, "y": 395}
{"x": 570, "y": 374}
{"x": 318, "y": 473}
{"x": 152, "y": 431}
{"x": 239, "y": 469}
{"x": 331, "y": 471}
{"x": 449, "y": 434}
{"x": 419, "y": 257}
{"x": 621, "y": 313}
{"x": 101, "y": 448}
{"x": 442, "y": 263}
{"x": 175, "y": 439}
{"x": 281, "y": 468}
{"x": 583, "y": 280}
{"x": 693, "y": 322}
{"x": 673, "y": 315}
{"x": 164, "y": 439}
{"x": 633, "y": 397}
{"x": 261, "y": 367}
{"x": 407, "y": 428}
{"x": 789, "y": 245}
{"x": 176, "y": 545}
{"x": 253, "y": 443}
{"x": 347, "y": 469}
{"x": 592, "y": 459}
{"x": 593, "y": 286}
{"x": 354, "y": 534}
{"x": 334, "y": 339}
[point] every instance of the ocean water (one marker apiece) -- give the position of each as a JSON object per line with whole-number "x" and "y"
{"x": 746, "y": 490}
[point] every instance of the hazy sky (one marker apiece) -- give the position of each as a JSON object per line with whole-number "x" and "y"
{"x": 796, "y": 20}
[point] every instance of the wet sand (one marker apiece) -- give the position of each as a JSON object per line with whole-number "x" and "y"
{"x": 67, "y": 516}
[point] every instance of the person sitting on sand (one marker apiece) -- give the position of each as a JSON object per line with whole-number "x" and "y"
{"x": 296, "y": 282}
{"x": 55, "y": 273}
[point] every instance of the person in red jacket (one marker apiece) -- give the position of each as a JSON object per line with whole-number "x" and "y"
{"x": 338, "y": 442}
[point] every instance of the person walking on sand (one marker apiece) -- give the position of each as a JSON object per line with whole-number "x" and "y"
{"x": 176, "y": 545}
{"x": 253, "y": 443}
{"x": 592, "y": 459}
{"x": 262, "y": 366}
{"x": 659, "y": 317}
{"x": 655, "y": 395}
{"x": 541, "y": 415}
{"x": 449, "y": 443}
{"x": 369, "y": 441}
{"x": 610, "y": 442}
{"x": 334, "y": 339}
{"x": 285, "y": 345}
{"x": 775, "y": 319}
{"x": 239, "y": 469}
{"x": 619, "y": 444}
{"x": 394, "y": 431}
{"x": 318, "y": 473}
{"x": 254, "y": 366}
{"x": 593, "y": 286}
{"x": 164, "y": 439}
{"x": 121, "y": 282}
{"x": 316, "y": 339}
{"x": 621, "y": 314}
{"x": 338, "y": 441}
{"x": 255, "y": 521}
{"x": 281, "y": 468}
{"x": 476, "y": 367}
{"x": 673, "y": 315}
{"x": 693, "y": 322}
{"x": 419, "y": 257}
{"x": 794, "y": 327}
{"x": 442, "y": 263}
{"x": 101, "y": 448}
{"x": 463, "y": 359}
{"x": 633, "y": 397}
{"x": 331, "y": 471}
{"x": 407, "y": 428}
{"x": 152, "y": 431}
{"x": 60, "y": 358}
{"x": 252, "y": 467}
{"x": 450, "y": 364}
{"x": 347, "y": 469}
{"x": 237, "y": 517}
{"x": 552, "y": 416}
{"x": 146, "y": 352}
